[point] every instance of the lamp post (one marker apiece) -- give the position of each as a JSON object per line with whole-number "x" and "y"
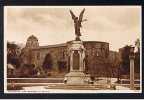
{"x": 131, "y": 57}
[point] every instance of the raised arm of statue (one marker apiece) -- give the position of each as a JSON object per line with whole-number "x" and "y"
{"x": 72, "y": 14}
{"x": 81, "y": 15}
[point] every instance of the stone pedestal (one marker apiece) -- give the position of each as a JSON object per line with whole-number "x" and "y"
{"x": 76, "y": 75}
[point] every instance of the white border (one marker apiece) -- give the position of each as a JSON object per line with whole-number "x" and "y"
{"x": 86, "y": 91}
{"x": 141, "y": 50}
{"x": 5, "y": 51}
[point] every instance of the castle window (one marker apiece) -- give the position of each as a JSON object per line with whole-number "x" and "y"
{"x": 63, "y": 54}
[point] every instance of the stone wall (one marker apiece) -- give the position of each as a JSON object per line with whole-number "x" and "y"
{"x": 57, "y": 53}
{"x": 96, "y": 54}
{"x": 95, "y": 51}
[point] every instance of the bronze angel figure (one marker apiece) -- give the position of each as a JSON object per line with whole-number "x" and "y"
{"x": 77, "y": 23}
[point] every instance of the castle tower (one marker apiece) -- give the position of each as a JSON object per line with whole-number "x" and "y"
{"x": 32, "y": 42}
{"x": 27, "y": 55}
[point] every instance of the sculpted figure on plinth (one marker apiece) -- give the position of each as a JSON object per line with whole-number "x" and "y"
{"x": 78, "y": 23}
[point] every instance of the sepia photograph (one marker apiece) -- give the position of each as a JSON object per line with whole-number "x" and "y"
{"x": 72, "y": 49}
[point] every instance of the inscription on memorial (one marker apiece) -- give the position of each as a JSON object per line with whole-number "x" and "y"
{"x": 76, "y": 61}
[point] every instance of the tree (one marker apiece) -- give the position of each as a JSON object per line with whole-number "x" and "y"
{"x": 137, "y": 45}
{"x": 13, "y": 52}
{"x": 137, "y": 56}
{"x": 125, "y": 60}
{"x": 48, "y": 63}
{"x": 137, "y": 62}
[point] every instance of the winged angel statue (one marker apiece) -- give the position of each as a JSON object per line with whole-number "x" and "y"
{"x": 77, "y": 23}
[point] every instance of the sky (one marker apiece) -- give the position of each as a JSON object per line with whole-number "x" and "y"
{"x": 117, "y": 25}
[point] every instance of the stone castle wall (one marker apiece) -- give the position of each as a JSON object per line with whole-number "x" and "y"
{"x": 60, "y": 53}
{"x": 96, "y": 54}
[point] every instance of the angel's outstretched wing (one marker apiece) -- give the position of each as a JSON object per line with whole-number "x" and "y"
{"x": 81, "y": 15}
{"x": 72, "y": 14}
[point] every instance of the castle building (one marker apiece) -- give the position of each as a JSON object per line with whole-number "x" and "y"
{"x": 56, "y": 57}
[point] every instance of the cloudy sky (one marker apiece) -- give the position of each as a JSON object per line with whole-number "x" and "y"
{"x": 118, "y": 25}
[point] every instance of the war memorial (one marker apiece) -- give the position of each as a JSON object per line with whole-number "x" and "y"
{"x": 73, "y": 61}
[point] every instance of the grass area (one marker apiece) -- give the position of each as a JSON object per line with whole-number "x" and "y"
{"x": 14, "y": 87}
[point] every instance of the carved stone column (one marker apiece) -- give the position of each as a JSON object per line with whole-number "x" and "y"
{"x": 71, "y": 60}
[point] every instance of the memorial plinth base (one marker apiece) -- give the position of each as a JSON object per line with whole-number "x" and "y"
{"x": 76, "y": 78}
{"x": 76, "y": 75}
